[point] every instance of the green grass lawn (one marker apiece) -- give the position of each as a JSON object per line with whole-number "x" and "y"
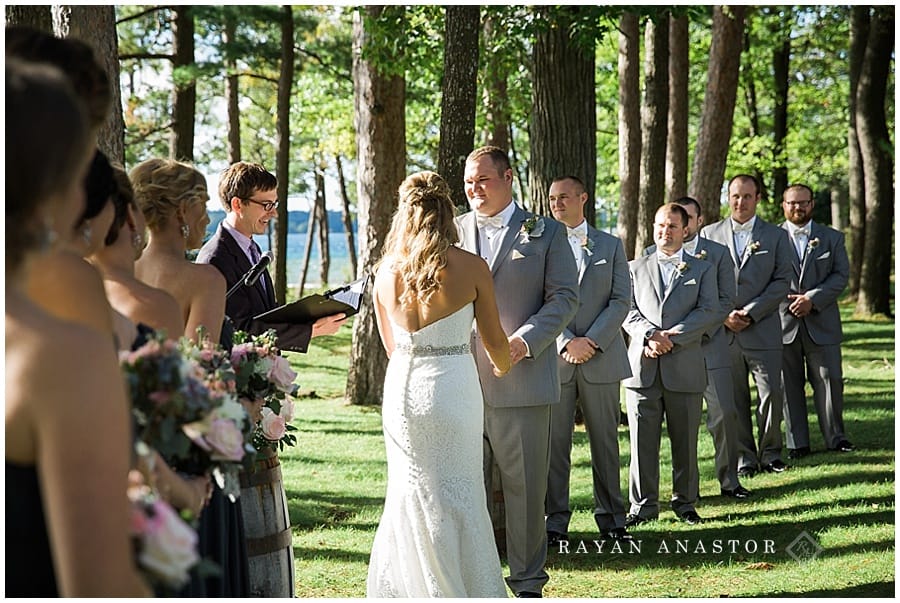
{"x": 825, "y": 527}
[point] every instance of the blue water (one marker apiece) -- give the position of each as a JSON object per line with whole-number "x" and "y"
{"x": 339, "y": 270}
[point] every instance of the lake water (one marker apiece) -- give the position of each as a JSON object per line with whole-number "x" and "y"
{"x": 339, "y": 271}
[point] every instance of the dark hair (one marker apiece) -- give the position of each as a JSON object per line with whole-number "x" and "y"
{"x": 241, "y": 180}
{"x": 122, "y": 199}
{"x": 746, "y": 177}
{"x": 498, "y": 157}
{"x": 685, "y": 201}
{"x": 674, "y": 208}
{"x": 46, "y": 139}
{"x": 99, "y": 186}
{"x": 812, "y": 195}
{"x": 75, "y": 58}
{"x": 574, "y": 179}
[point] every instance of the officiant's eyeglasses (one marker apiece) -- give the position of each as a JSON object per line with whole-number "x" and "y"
{"x": 266, "y": 205}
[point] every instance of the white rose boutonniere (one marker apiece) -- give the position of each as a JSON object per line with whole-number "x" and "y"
{"x": 753, "y": 247}
{"x": 701, "y": 255}
{"x": 588, "y": 245}
{"x": 682, "y": 268}
{"x": 813, "y": 243}
{"x": 533, "y": 227}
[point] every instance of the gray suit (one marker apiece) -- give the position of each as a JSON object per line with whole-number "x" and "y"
{"x": 762, "y": 277}
{"x": 815, "y": 339}
{"x": 604, "y": 300}
{"x": 537, "y": 295}
{"x": 721, "y": 413}
{"x": 670, "y": 385}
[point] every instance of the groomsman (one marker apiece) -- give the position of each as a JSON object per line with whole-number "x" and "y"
{"x": 592, "y": 362}
{"x": 761, "y": 254}
{"x": 721, "y": 413}
{"x": 812, "y": 325}
{"x": 537, "y": 295}
{"x": 674, "y": 302}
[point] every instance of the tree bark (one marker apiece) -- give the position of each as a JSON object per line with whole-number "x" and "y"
{"x": 629, "y": 129}
{"x": 38, "y": 17}
{"x": 654, "y": 124}
{"x": 96, "y": 25}
{"x": 346, "y": 217}
{"x": 229, "y": 35}
{"x": 496, "y": 114}
{"x": 876, "y": 150}
{"x": 322, "y": 219}
{"x": 753, "y": 116}
{"x": 283, "y": 149}
{"x": 181, "y": 146}
{"x": 381, "y": 159}
{"x": 781, "y": 62}
{"x": 458, "y": 96}
{"x": 677, "y": 138}
{"x": 563, "y": 115}
{"x": 711, "y": 150}
{"x": 859, "y": 34}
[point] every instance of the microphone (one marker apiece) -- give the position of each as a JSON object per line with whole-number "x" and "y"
{"x": 253, "y": 275}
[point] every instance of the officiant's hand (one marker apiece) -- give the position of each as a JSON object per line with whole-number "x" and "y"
{"x": 328, "y": 325}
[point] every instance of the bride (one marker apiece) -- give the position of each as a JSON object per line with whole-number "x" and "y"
{"x": 435, "y": 537}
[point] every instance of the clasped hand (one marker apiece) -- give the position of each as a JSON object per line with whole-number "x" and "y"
{"x": 658, "y": 344}
{"x": 800, "y": 304}
{"x": 738, "y": 320}
{"x": 579, "y": 350}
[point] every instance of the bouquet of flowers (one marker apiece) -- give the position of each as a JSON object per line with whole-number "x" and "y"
{"x": 165, "y": 545}
{"x": 188, "y": 413}
{"x": 263, "y": 374}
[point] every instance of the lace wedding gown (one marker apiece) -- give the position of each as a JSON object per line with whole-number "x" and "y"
{"x": 435, "y": 537}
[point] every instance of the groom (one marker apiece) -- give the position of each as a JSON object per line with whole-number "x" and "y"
{"x": 537, "y": 295}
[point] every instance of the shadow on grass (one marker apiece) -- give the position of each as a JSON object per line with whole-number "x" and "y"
{"x": 316, "y": 510}
{"x": 872, "y": 589}
{"x": 330, "y": 554}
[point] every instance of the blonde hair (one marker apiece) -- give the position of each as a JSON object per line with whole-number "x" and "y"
{"x": 421, "y": 232}
{"x": 162, "y": 187}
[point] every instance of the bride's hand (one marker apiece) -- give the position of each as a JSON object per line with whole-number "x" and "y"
{"x": 497, "y": 372}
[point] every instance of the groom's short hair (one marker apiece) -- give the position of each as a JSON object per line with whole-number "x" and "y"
{"x": 498, "y": 157}
{"x": 241, "y": 180}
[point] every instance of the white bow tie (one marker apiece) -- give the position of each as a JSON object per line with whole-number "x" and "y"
{"x": 802, "y": 232}
{"x": 668, "y": 259}
{"x": 492, "y": 221}
{"x": 745, "y": 227}
{"x": 578, "y": 233}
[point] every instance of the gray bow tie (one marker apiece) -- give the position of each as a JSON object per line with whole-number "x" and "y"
{"x": 745, "y": 227}
{"x": 492, "y": 221}
{"x": 802, "y": 232}
{"x": 671, "y": 259}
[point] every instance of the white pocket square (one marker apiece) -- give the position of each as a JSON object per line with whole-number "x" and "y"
{"x": 599, "y": 262}
{"x": 693, "y": 281}
{"x": 517, "y": 255}
{"x": 823, "y": 256}
{"x": 761, "y": 251}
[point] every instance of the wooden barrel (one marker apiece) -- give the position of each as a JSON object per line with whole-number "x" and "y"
{"x": 267, "y": 526}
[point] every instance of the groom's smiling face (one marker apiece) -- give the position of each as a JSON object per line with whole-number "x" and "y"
{"x": 489, "y": 191}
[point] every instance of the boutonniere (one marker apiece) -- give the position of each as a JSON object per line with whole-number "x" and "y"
{"x": 588, "y": 245}
{"x": 532, "y": 227}
{"x": 753, "y": 247}
{"x": 682, "y": 268}
{"x": 813, "y": 243}
{"x": 700, "y": 255}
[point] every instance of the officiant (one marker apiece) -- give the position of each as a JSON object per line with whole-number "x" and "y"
{"x": 248, "y": 194}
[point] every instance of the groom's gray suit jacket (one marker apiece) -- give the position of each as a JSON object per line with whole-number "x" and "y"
{"x": 536, "y": 285}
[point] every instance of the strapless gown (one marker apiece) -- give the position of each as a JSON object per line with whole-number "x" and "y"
{"x": 435, "y": 537}
{"x": 29, "y": 561}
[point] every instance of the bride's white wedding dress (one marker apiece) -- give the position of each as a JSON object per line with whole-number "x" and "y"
{"x": 435, "y": 537}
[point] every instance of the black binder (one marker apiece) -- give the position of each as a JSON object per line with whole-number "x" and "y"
{"x": 346, "y": 299}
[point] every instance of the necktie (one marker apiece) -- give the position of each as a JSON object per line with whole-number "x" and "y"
{"x": 495, "y": 222}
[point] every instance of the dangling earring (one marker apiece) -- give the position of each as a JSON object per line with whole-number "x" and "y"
{"x": 137, "y": 240}
{"x": 185, "y": 231}
{"x": 86, "y": 232}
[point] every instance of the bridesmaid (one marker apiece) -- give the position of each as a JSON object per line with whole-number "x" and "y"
{"x": 68, "y": 437}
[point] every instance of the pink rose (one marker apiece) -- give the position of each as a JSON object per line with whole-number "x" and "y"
{"x": 226, "y": 440}
{"x": 281, "y": 374}
{"x": 272, "y": 425}
{"x": 239, "y": 351}
{"x": 169, "y": 547}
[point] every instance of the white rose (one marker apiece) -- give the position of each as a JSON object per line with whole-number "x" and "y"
{"x": 287, "y": 409}
{"x": 169, "y": 548}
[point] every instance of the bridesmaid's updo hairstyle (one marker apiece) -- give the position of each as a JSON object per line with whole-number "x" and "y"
{"x": 163, "y": 187}
{"x": 122, "y": 199}
{"x": 47, "y": 137}
{"x": 421, "y": 233}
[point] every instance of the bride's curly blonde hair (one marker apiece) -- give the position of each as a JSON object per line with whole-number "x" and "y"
{"x": 421, "y": 232}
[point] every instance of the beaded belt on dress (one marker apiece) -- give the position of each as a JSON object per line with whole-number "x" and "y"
{"x": 431, "y": 350}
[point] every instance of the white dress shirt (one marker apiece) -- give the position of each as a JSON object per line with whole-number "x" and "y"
{"x": 742, "y": 235}
{"x": 490, "y": 235}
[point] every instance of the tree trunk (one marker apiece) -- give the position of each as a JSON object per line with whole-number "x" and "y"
{"x": 322, "y": 219}
{"x": 496, "y": 114}
{"x": 876, "y": 150}
{"x": 458, "y": 96}
{"x": 753, "y": 115}
{"x": 629, "y": 129}
{"x": 711, "y": 151}
{"x": 837, "y": 205}
{"x": 96, "y": 25}
{"x": 307, "y": 251}
{"x": 181, "y": 146}
{"x": 563, "y": 114}
{"x": 231, "y": 90}
{"x": 781, "y": 62}
{"x": 283, "y": 149}
{"x": 677, "y": 138}
{"x": 346, "y": 217}
{"x": 654, "y": 123}
{"x": 381, "y": 158}
{"x": 859, "y": 34}
{"x": 38, "y": 17}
